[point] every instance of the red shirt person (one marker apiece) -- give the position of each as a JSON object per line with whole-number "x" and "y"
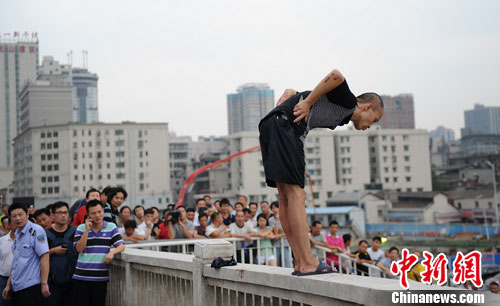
{"x": 335, "y": 243}
{"x": 92, "y": 194}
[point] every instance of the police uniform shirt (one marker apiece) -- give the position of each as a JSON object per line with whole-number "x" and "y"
{"x": 29, "y": 245}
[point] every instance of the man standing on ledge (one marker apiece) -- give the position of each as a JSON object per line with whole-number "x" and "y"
{"x": 282, "y": 136}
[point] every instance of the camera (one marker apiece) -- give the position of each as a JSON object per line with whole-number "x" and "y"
{"x": 173, "y": 216}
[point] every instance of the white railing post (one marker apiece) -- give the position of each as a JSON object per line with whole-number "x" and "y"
{"x": 251, "y": 254}
{"x": 282, "y": 253}
{"x": 340, "y": 264}
{"x": 324, "y": 255}
{"x": 128, "y": 298}
{"x": 204, "y": 253}
{"x": 258, "y": 250}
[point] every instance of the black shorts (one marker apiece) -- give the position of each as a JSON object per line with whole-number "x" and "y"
{"x": 282, "y": 151}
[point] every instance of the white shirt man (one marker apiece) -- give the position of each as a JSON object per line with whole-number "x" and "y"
{"x": 137, "y": 232}
{"x": 147, "y": 226}
{"x": 6, "y": 256}
{"x": 240, "y": 229}
{"x": 217, "y": 228}
{"x": 376, "y": 254}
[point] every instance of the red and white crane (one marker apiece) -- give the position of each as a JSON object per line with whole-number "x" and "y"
{"x": 194, "y": 174}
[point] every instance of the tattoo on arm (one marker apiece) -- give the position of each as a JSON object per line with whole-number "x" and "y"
{"x": 332, "y": 75}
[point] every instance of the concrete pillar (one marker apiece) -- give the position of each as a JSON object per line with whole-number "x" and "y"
{"x": 204, "y": 253}
{"x": 129, "y": 293}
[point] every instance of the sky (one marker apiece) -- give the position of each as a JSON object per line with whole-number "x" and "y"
{"x": 175, "y": 61}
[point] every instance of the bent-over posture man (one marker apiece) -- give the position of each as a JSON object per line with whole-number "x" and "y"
{"x": 282, "y": 136}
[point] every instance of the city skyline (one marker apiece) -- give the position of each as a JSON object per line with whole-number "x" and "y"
{"x": 247, "y": 106}
{"x": 175, "y": 62}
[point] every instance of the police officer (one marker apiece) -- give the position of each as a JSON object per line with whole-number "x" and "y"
{"x": 27, "y": 284}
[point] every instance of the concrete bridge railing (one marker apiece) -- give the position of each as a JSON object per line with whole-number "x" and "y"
{"x": 144, "y": 277}
{"x": 186, "y": 246}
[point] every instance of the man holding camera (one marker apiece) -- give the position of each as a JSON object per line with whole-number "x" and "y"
{"x": 166, "y": 229}
{"x": 184, "y": 228}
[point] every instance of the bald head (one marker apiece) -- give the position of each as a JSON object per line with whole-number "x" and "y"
{"x": 373, "y": 98}
{"x": 370, "y": 110}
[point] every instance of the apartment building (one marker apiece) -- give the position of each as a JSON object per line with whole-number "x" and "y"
{"x": 341, "y": 161}
{"x": 61, "y": 162}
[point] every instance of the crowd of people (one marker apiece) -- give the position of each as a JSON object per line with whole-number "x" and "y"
{"x": 59, "y": 255}
{"x": 372, "y": 255}
{"x": 47, "y": 254}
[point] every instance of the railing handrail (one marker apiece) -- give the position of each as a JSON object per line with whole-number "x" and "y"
{"x": 179, "y": 242}
{"x": 353, "y": 260}
{"x": 185, "y": 242}
{"x": 152, "y": 278}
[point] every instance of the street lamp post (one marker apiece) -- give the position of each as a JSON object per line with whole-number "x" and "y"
{"x": 494, "y": 194}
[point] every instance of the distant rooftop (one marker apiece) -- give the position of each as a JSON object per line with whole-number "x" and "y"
{"x": 344, "y": 198}
{"x": 253, "y": 85}
{"x": 470, "y": 193}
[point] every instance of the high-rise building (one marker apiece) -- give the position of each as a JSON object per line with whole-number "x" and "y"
{"x": 187, "y": 156}
{"x": 399, "y": 159}
{"x": 398, "y": 112}
{"x": 246, "y": 107}
{"x": 442, "y": 150}
{"x": 214, "y": 181}
{"x": 208, "y": 145}
{"x": 342, "y": 161}
{"x": 441, "y": 131}
{"x": 180, "y": 150}
{"x": 52, "y": 67}
{"x": 46, "y": 101}
{"x": 18, "y": 64}
{"x": 85, "y": 107}
{"x": 482, "y": 120}
{"x": 480, "y": 144}
{"x": 62, "y": 162}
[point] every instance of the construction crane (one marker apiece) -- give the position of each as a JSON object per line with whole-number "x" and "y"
{"x": 190, "y": 180}
{"x": 194, "y": 174}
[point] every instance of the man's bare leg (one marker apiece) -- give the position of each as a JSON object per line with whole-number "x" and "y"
{"x": 282, "y": 199}
{"x": 299, "y": 240}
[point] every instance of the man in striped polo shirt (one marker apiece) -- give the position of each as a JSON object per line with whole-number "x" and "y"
{"x": 93, "y": 241}
{"x": 282, "y": 135}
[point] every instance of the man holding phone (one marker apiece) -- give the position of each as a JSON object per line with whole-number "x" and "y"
{"x": 62, "y": 255}
{"x": 93, "y": 241}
